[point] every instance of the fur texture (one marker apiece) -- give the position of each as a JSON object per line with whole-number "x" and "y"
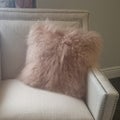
{"x": 59, "y": 59}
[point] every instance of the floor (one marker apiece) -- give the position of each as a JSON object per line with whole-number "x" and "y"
{"x": 116, "y": 84}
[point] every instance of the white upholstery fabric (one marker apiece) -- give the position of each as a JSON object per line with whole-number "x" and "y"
{"x": 20, "y": 102}
{"x": 96, "y": 95}
{"x": 42, "y": 14}
{"x": 13, "y": 44}
{"x": 101, "y": 96}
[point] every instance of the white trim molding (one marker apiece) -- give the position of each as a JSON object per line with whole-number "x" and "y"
{"x": 111, "y": 72}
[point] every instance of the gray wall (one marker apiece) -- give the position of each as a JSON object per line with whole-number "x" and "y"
{"x": 105, "y": 18}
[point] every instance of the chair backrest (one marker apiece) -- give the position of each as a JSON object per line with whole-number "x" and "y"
{"x": 15, "y": 25}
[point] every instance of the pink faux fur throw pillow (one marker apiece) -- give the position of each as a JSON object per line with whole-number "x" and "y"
{"x": 58, "y": 59}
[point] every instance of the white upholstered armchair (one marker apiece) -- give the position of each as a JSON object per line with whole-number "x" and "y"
{"x": 20, "y": 102}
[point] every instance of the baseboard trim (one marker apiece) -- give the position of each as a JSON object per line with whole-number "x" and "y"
{"x": 112, "y": 72}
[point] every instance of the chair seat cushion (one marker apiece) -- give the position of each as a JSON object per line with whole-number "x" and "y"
{"x": 21, "y": 102}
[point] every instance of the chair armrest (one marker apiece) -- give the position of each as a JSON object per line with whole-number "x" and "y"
{"x": 101, "y": 96}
